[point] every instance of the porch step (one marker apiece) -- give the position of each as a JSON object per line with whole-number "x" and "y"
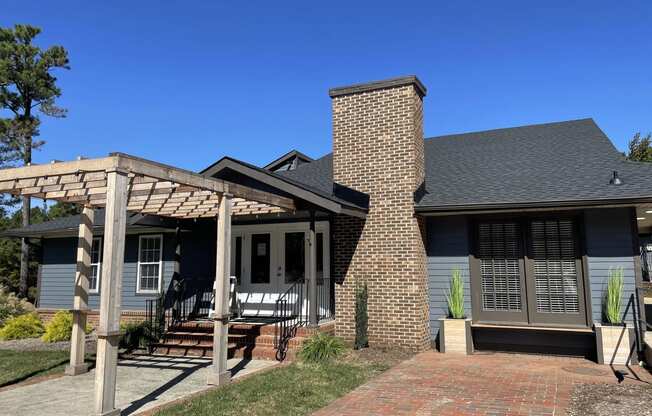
{"x": 245, "y": 339}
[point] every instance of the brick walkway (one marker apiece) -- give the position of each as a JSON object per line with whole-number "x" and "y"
{"x": 482, "y": 384}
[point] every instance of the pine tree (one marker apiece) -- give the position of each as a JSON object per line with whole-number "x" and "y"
{"x": 27, "y": 85}
{"x": 640, "y": 148}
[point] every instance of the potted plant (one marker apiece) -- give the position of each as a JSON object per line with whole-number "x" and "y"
{"x": 614, "y": 338}
{"x": 455, "y": 330}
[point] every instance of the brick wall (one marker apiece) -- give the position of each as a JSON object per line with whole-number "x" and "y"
{"x": 378, "y": 150}
{"x": 93, "y": 318}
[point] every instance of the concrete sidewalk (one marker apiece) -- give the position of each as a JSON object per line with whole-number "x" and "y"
{"x": 143, "y": 383}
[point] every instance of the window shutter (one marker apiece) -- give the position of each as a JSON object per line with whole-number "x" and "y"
{"x": 554, "y": 254}
{"x": 499, "y": 256}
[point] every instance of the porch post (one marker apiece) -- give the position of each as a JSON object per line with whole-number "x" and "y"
{"x": 108, "y": 331}
{"x": 312, "y": 272}
{"x": 219, "y": 373}
{"x": 80, "y": 301}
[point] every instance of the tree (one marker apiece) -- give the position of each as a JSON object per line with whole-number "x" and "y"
{"x": 640, "y": 148}
{"x": 26, "y": 85}
{"x": 62, "y": 209}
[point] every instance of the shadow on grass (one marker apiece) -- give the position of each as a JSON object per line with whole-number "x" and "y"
{"x": 47, "y": 371}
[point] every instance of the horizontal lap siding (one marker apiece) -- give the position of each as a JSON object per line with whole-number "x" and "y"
{"x": 447, "y": 249}
{"x": 58, "y": 274}
{"x": 608, "y": 246}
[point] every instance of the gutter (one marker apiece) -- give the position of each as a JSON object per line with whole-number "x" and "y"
{"x": 535, "y": 205}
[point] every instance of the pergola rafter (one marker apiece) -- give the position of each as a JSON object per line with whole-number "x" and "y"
{"x": 121, "y": 183}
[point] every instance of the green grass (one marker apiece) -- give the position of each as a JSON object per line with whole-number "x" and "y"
{"x": 17, "y": 366}
{"x": 297, "y": 389}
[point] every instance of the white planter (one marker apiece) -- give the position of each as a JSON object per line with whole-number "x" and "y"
{"x": 455, "y": 336}
{"x": 615, "y": 344}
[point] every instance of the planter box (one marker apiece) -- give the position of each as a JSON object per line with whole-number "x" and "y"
{"x": 615, "y": 344}
{"x": 455, "y": 336}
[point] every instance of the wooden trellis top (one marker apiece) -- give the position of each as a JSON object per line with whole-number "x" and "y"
{"x": 154, "y": 188}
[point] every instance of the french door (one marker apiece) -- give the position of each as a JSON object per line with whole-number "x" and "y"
{"x": 527, "y": 271}
{"x": 268, "y": 259}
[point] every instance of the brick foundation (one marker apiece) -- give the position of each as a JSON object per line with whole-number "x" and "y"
{"x": 378, "y": 150}
{"x": 94, "y": 316}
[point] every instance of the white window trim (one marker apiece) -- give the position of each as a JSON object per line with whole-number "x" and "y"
{"x": 98, "y": 264}
{"x": 160, "y": 267}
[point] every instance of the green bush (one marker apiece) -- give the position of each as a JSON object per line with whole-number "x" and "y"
{"x": 361, "y": 316}
{"x": 22, "y": 326}
{"x": 613, "y": 297}
{"x": 11, "y": 305}
{"x": 321, "y": 347}
{"x": 135, "y": 335}
{"x": 455, "y": 296}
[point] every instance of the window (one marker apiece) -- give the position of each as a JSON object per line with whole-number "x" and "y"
{"x": 499, "y": 256}
{"x": 295, "y": 257}
{"x": 260, "y": 258}
{"x": 96, "y": 266}
{"x": 320, "y": 258}
{"x": 150, "y": 264}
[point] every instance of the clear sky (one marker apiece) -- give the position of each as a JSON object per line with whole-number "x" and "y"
{"x": 187, "y": 82}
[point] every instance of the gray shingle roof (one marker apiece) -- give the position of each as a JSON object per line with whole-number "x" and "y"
{"x": 570, "y": 161}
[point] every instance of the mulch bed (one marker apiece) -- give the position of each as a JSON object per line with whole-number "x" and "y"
{"x": 611, "y": 400}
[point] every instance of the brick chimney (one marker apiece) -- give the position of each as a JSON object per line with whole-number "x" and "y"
{"x": 378, "y": 150}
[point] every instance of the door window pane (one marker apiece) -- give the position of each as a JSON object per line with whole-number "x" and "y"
{"x": 320, "y": 258}
{"x": 499, "y": 257}
{"x": 554, "y": 256}
{"x": 295, "y": 257}
{"x": 238, "y": 259}
{"x": 260, "y": 256}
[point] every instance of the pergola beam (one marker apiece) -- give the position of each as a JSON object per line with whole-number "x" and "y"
{"x": 124, "y": 183}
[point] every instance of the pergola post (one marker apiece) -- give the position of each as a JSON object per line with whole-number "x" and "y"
{"x": 108, "y": 331}
{"x": 312, "y": 273}
{"x": 219, "y": 373}
{"x": 80, "y": 302}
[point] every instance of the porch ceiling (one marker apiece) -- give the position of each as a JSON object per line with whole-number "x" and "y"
{"x": 154, "y": 188}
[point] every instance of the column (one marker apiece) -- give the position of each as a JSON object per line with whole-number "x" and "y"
{"x": 219, "y": 373}
{"x": 108, "y": 331}
{"x": 80, "y": 302}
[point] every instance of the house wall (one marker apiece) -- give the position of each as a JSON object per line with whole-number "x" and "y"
{"x": 608, "y": 245}
{"x": 58, "y": 274}
{"x": 447, "y": 249}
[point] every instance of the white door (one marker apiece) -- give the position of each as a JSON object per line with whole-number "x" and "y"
{"x": 273, "y": 257}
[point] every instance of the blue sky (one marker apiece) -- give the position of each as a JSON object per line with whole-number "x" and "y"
{"x": 187, "y": 82}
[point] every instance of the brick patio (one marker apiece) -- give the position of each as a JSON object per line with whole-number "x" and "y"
{"x": 482, "y": 384}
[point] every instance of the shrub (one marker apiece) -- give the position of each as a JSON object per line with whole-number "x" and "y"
{"x": 135, "y": 335}
{"x": 455, "y": 296}
{"x": 361, "y": 316}
{"x": 321, "y": 347}
{"x": 613, "y": 297}
{"x": 11, "y": 305}
{"x": 22, "y": 326}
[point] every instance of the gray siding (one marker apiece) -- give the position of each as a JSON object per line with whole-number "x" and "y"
{"x": 58, "y": 273}
{"x": 447, "y": 248}
{"x": 609, "y": 245}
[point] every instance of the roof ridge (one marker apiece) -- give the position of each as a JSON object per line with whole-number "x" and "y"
{"x": 512, "y": 128}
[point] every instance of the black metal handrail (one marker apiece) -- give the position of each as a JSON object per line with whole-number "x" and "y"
{"x": 174, "y": 307}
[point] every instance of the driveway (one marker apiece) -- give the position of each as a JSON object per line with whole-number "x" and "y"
{"x": 481, "y": 384}
{"x": 143, "y": 382}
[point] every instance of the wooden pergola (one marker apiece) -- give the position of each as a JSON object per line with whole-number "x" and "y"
{"x": 122, "y": 183}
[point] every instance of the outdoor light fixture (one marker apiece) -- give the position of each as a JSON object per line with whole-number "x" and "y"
{"x": 615, "y": 180}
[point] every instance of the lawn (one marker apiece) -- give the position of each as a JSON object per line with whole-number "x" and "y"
{"x": 17, "y": 366}
{"x": 296, "y": 389}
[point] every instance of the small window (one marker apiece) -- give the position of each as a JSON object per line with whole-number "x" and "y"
{"x": 96, "y": 266}
{"x": 150, "y": 265}
{"x": 260, "y": 258}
